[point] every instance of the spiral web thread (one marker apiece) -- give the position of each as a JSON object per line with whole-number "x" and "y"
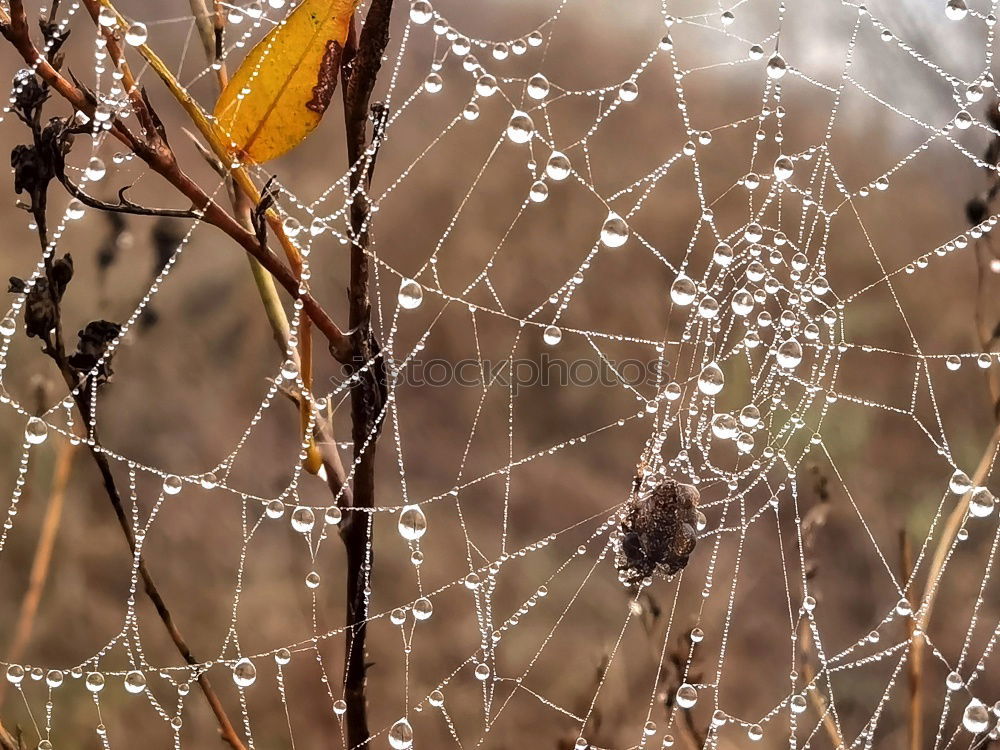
{"x": 748, "y": 304}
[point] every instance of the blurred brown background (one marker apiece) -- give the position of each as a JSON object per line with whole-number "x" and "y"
{"x": 187, "y": 386}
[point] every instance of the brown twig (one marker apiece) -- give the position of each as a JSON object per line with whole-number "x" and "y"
{"x": 915, "y": 671}
{"x": 361, "y": 62}
{"x": 812, "y": 522}
{"x": 10, "y": 741}
{"x": 681, "y": 660}
{"x": 41, "y": 563}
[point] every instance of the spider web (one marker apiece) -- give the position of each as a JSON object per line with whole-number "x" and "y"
{"x": 611, "y": 247}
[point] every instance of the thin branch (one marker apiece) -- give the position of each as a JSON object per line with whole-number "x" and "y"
{"x": 41, "y": 564}
{"x": 124, "y": 205}
{"x": 915, "y": 672}
{"x": 360, "y": 72}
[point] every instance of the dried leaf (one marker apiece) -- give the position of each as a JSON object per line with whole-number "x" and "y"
{"x": 287, "y": 81}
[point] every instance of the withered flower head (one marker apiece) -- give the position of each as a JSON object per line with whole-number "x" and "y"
{"x": 41, "y": 308}
{"x": 94, "y": 341}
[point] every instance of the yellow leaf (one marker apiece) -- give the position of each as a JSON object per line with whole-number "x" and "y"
{"x": 287, "y": 81}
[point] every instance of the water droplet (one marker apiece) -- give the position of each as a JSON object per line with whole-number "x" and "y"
{"x": 711, "y": 380}
{"x": 976, "y": 718}
{"x": 340, "y": 707}
{"x": 282, "y": 656}
{"x": 687, "y": 696}
{"x": 433, "y": 83}
{"x": 333, "y": 515}
{"x": 954, "y": 681}
{"x": 797, "y": 704}
{"x": 54, "y": 678}
{"x": 776, "y": 66}
{"x": 956, "y": 10}
{"x": 15, "y": 674}
{"x": 959, "y": 482}
{"x": 552, "y": 335}
{"x": 401, "y": 735}
{"x": 36, "y": 431}
{"x": 615, "y": 231}
{"x": 538, "y": 86}
{"x": 312, "y": 580}
{"x": 486, "y": 85}
{"x": 75, "y": 210}
{"x": 471, "y": 111}
{"x": 683, "y": 291}
{"x": 723, "y": 254}
{"x": 749, "y": 416}
{"x": 421, "y": 12}
{"x": 95, "y": 169}
{"x": 135, "y": 682}
{"x": 724, "y": 426}
{"x": 789, "y": 354}
{"x": 244, "y": 673}
{"x": 755, "y": 732}
{"x": 521, "y": 128}
{"x": 558, "y": 166}
{"x": 94, "y": 682}
{"x": 411, "y": 294}
{"x": 106, "y": 17}
{"x": 981, "y": 503}
{"x": 628, "y": 91}
{"x": 412, "y": 522}
{"x": 538, "y": 192}
{"x": 289, "y": 369}
{"x": 7, "y": 327}
{"x": 742, "y": 302}
{"x": 482, "y": 671}
{"x": 172, "y": 484}
{"x": 783, "y": 168}
{"x": 422, "y": 608}
{"x": 963, "y": 120}
{"x": 275, "y": 509}
{"x": 136, "y": 34}
{"x": 708, "y": 307}
{"x": 303, "y": 519}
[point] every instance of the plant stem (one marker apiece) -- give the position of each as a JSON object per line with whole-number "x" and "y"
{"x": 364, "y": 62}
{"x": 915, "y": 666}
{"x": 41, "y": 564}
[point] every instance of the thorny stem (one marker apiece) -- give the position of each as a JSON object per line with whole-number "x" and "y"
{"x": 153, "y": 150}
{"x": 362, "y": 60}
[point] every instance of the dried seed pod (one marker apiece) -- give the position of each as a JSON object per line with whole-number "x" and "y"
{"x": 657, "y": 534}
